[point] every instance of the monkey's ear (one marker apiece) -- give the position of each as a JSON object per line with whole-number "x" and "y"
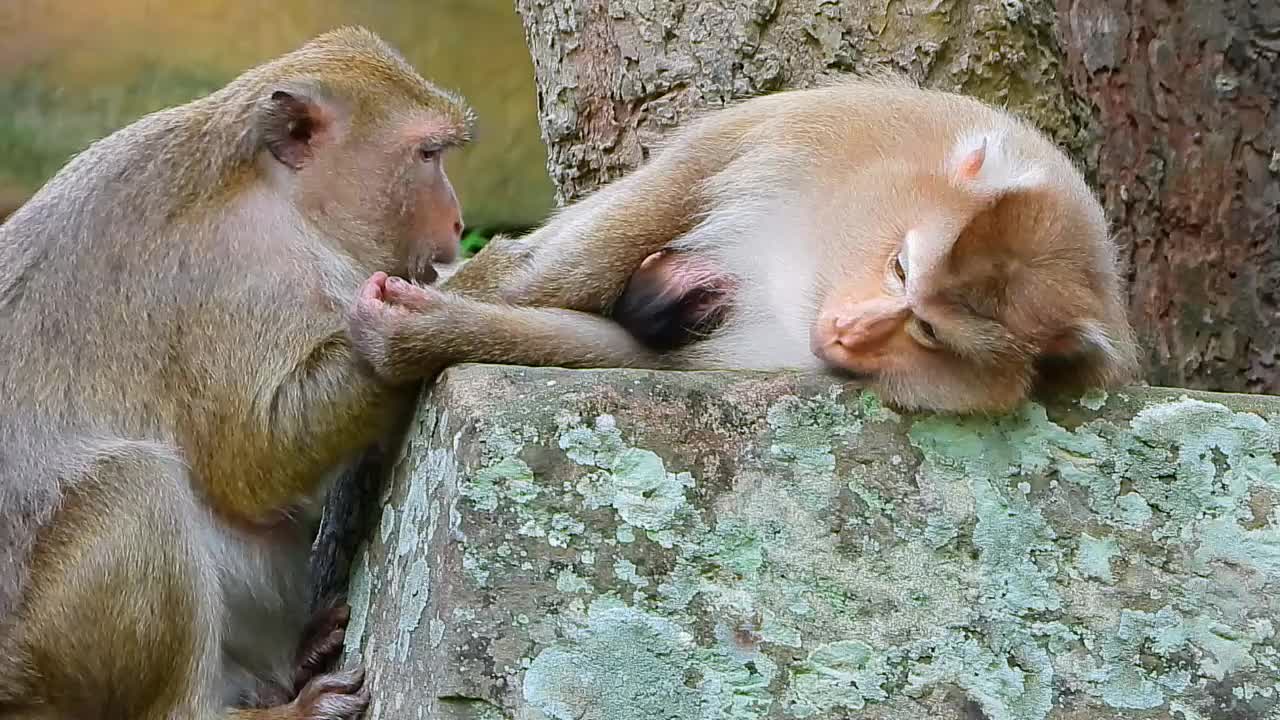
{"x": 1085, "y": 355}
{"x": 1081, "y": 338}
{"x": 291, "y": 124}
{"x": 981, "y": 162}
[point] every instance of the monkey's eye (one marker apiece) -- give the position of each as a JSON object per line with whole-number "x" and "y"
{"x": 898, "y": 269}
{"x": 923, "y": 333}
{"x": 429, "y": 153}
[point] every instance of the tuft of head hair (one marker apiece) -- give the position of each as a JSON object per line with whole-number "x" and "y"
{"x": 356, "y": 65}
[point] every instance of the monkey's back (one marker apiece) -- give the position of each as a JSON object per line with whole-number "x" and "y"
{"x": 127, "y": 316}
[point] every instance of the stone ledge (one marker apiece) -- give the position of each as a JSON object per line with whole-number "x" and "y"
{"x": 628, "y": 545}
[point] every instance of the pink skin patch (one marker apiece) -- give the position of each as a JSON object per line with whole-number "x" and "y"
{"x": 849, "y": 332}
{"x": 388, "y": 291}
{"x": 681, "y": 275}
{"x": 674, "y": 298}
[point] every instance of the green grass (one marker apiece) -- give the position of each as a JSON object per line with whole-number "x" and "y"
{"x": 48, "y": 122}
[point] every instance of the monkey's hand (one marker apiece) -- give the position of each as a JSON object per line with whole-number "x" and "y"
{"x": 333, "y": 696}
{"x": 391, "y": 327}
{"x": 321, "y": 644}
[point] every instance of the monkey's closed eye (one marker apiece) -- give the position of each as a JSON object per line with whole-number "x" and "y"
{"x": 923, "y": 332}
{"x": 898, "y": 269}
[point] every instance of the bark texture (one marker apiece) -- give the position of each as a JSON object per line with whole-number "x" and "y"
{"x": 1185, "y": 95}
{"x": 630, "y": 545}
{"x": 614, "y": 75}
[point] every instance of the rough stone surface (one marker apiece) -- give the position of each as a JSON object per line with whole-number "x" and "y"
{"x": 631, "y": 545}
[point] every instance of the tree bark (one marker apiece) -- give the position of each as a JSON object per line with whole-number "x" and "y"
{"x": 1170, "y": 109}
{"x": 1185, "y": 96}
{"x": 614, "y": 75}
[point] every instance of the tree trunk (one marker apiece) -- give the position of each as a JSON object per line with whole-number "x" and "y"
{"x": 1185, "y": 95}
{"x": 1170, "y": 108}
{"x": 613, "y": 75}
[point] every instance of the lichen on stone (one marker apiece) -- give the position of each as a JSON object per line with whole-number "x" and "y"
{"x": 821, "y": 556}
{"x": 623, "y": 663}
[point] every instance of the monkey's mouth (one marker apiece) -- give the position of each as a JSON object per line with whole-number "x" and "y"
{"x": 850, "y": 375}
{"x": 421, "y": 270}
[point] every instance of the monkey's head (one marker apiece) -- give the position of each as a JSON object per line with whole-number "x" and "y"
{"x": 993, "y": 278}
{"x": 357, "y": 140}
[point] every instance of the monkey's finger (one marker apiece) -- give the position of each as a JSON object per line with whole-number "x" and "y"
{"x": 323, "y": 648}
{"x": 331, "y": 616}
{"x": 338, "y": 706}
{"x": 347, "y": 681}
{"x": 373, "y": 287}
{"x": 317, "y": 655}
{"x": 339, "y": 614}
{"x": 417, "y": 297}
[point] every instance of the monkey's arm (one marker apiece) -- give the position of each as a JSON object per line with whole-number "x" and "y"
{"x": 407, "y": 332}
{"x": 582, "y": 258}
{"x": 474, "y": 331}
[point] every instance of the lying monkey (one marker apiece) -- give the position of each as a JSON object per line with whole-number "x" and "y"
{"x": 938, "y": 247}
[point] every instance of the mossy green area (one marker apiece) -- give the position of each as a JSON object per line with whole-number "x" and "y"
{"x": 46, "y": 124}
{"x": 635, "y": 545}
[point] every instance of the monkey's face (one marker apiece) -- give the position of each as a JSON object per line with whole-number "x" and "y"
{"x": 371, "y": 172}
{"x": 973, "y": 292}
{"x": 433, "y": 215}
{"x": 915, "y": 335}
{"x": 411, "y": 198}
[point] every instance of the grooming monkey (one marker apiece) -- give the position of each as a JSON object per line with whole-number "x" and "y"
{"x": 179, "y": 385}
{"x": 937, "y": 247}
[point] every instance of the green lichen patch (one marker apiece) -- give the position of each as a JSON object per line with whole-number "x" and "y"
{"x": 620, "y": 663}
{"x": 1124, "y": 681}
{"x": 843, "y": 675}
{"x": 829, "y": 558}
{"x": 1093, "y": 558}
{"x": 633, "y": 481}
{"x": 1192, "y": 467}
{"x": 1009, "y": 680}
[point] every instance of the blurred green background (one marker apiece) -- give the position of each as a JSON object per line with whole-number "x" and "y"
{"x": 72, "y": 71}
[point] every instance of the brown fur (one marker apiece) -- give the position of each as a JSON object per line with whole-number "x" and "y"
{"x": 802, "y": 199}
{"x": 179, "y": 384}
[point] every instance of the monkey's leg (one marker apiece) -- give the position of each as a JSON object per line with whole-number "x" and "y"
{"x": 124, "y": 611}
{"x": 582, "y": 258}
